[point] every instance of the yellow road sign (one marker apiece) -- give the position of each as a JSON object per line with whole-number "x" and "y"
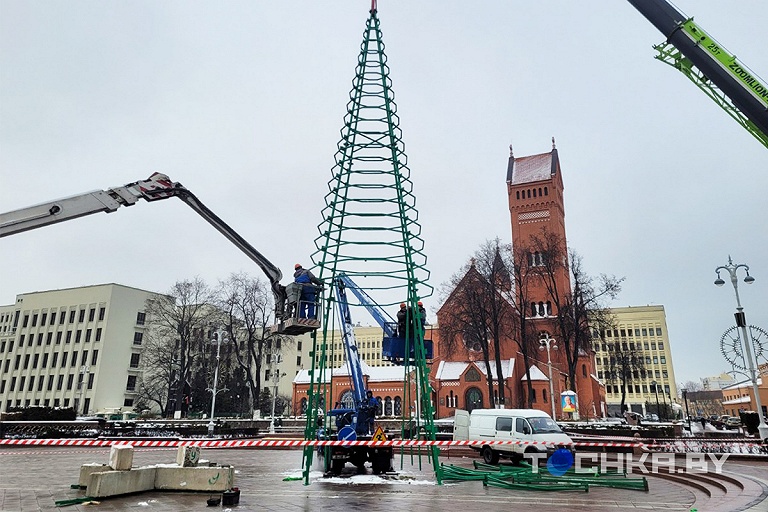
{"x": 379, "y": 435}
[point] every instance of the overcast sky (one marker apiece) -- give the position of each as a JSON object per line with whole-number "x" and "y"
{"x": 242, "y": 102}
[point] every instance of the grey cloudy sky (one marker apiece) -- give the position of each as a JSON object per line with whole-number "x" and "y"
{"x": 242, "y": 102}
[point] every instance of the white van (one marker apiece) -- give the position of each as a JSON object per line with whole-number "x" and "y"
{"x": 527, "y": 425}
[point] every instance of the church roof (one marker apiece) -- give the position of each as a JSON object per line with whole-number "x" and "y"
{"x": 374, "y": 373}
{"x": 453, "y": 370}
{"x": 536, "y": 374}
{"x": 528, "y": 169}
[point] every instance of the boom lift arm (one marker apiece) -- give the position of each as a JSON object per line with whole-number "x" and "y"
{"x": 711, "y": 67}
{"x": 156, "y": 187}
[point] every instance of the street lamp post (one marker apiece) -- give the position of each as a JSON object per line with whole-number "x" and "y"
{"x": 84, "y": 370}
{"x": 275, "y": 381}
{"x": 548, "y": 342}
{"x": 687, "y": 414}
{"x": 219, "y": 339}
{"x": 741, "y": 321}
{"x": 656, "y": 392}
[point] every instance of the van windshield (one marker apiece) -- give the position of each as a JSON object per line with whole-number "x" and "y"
{"x": 542, "y": 425}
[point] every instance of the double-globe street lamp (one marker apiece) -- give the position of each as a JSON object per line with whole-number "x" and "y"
{"x": 219, "y": 339}
{"x": 656, "y": 392}
{"x": 548, "y": 342}
{"x": 741, "y": 321}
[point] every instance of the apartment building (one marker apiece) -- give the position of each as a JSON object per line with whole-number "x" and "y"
{"x": 641, "y": 330}
{"x": 75, "y": 347}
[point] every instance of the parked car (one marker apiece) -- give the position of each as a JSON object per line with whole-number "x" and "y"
{"x": 732, "y": 422}
{"x": 719, "y": 421}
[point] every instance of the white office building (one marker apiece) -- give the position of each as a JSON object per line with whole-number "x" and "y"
{"x": 76, "y": 347}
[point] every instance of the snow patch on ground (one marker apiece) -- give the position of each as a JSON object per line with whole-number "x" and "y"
{"x": 398, "y": 479}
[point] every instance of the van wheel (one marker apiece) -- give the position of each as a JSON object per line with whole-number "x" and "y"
{"x": 489, "y": 456}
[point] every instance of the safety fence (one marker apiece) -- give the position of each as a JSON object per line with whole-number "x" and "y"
{"x": 742, "y": 446}
{"x": 283, "y": 443}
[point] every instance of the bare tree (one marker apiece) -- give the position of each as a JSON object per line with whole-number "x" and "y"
{"x": 246, "y": 305}
{"x": 575, "y": 309}
{"x": 182, "y": 315}
{"x": 626, "y": 365}
{"x": 159, "y": 372}
{"x": 525, "y": 331}
{"x": 478, "y": 310}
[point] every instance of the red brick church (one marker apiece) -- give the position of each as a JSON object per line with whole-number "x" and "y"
{"x": 535, "y": 192}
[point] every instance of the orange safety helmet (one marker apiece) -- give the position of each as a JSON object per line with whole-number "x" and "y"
{"x": 297, "y": 266}
{"x": 402, "y": 305}
{"x": 419, "y": 303}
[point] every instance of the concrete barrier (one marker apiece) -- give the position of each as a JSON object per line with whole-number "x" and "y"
{"x": 208, "y": 479}
{"x": 121, "y": 457}
{"x": 114, "y": 483}
{"x": 86, "y": 470}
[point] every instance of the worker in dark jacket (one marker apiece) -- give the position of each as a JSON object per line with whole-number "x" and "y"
{"x": 423, "y": 315}
{"x": 307, "y": 280}
{"x": 402, "y": 321}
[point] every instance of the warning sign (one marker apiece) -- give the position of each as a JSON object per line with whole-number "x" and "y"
{"x": 379, "y": 435}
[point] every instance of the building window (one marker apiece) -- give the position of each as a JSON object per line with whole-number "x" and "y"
{"x": 661, "y": 346}
{"x": 72, "y": 316}
{"x": 49, "y": 338}
{"x": 137, "y": 337}
{"x": 31, "y": 383}
{"x": 50, "y": 383}
{"x": 134, "y": 361}
{"x": 26, "y": 321}
{"x": 64, "y": 359}
{"x": 81, "y": 316}
{"x": 45, "y": 360}
{"x": 69, "y": 337}
{"x": 98, "y": 334}
{"x": 94, "y": 357}
{"x": 91, "y": 314}
{"x": 88, "y": 335}
{"x": 128, "y": 402}
{"x": 53, "y": 318}
{"x": 21, "y": 340}
{"x": 13, "y": 383}
{"x": 36, "y": 360}
{"x": 663, "y": 360}
{"x": 62, "y": 316}
{"x": 140, "y": 318}
{"x": 78, "y": 335}
{"x": 54, "y": 359}
{"x": 90, "y": 380}
{"x": 131, "y": 385}
{"x": 101, "y": 313}
{"x": 58, "y": 338}
{"x": 43, "y": 318}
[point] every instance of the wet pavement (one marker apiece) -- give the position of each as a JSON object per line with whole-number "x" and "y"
{"x": 35, "y": 478}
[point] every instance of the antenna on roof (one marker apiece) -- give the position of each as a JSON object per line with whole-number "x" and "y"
{"x": 553, "y": 143}
{"x": 511, "y": 154}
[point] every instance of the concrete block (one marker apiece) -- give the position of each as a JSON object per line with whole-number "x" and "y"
{"x": 208, "y": 479}
{"x": 121, "y": 457}
{"x": 87, "y": 469}
{"x": 114, "y": 483}
{"x": 188, "y": 456}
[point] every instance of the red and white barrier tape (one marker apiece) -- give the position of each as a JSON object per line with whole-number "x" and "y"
{"x": 283, "y": 443}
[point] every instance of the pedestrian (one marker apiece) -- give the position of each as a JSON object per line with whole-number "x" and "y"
{"x": 308, "y": 290}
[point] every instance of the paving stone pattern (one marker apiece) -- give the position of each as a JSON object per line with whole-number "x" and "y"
{"x": 35, "y": 478}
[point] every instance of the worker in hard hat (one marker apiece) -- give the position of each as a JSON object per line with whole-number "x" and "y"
{"x": 308, "y": 283}
{"x": 402, "y": 320}
{"x": 422, "y": 315}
